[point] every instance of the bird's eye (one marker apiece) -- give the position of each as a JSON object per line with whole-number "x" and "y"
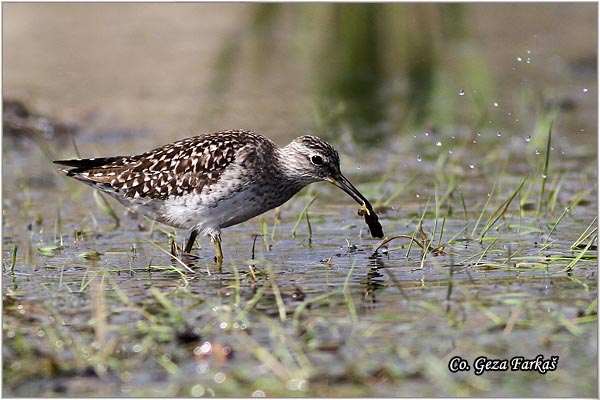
{"x": 317, "y": 160}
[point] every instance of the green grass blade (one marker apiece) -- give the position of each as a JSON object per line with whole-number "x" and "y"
{"x": 348, "y": 295}
{"x": 301, "y": 216}
{"x": 399, "y": 191}
{"x": 13, "y": 260}
{"x": 590, "y": 230}
{"x": 499, "y": 212}
{"x": 485, "y": 206}
{"x": 545, "y": 172}
{"x": 107, "y": 208}
{"x": 464, "y": 206}
{"x": 566, "y": 210}
{"x": 572, "y": 264}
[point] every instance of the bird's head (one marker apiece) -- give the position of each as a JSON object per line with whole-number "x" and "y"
{"x": 311, "y": 159}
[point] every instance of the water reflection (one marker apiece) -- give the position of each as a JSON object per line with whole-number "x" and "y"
{"x": 373, "y": 281}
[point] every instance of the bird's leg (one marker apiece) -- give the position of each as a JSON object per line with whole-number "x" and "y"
{"x": 216, "y": 239}
{"x": 190, "y": 243}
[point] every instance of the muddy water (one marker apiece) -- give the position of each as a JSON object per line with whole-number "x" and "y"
{"x": 504, "y": 295}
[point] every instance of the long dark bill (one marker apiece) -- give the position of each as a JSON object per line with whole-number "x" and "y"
{"x": 370, "y": 217}
{"x": 344, "y": 184}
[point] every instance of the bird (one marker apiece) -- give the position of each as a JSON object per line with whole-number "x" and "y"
{"x": 213, "y": 181}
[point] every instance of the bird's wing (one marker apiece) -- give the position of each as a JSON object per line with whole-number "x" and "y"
{"x": 178, "y": 168}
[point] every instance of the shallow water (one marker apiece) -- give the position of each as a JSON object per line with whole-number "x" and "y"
{"x": 461, "y": 303}
{"x": 94, "y": 310}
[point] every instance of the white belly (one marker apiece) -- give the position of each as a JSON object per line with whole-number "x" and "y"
{"x": 210, "y": 212}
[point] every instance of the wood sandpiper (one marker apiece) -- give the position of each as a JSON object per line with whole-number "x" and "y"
{"x": 210, "y": 182}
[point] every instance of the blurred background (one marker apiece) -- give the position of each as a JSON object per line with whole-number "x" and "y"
{"x": 366, "y": 71}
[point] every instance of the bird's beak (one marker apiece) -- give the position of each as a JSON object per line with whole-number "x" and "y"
{"x": 344, "y": 184}
{"x": 366, "y": 209}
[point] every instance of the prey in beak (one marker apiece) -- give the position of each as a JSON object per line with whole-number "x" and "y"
{"x": 365, "y": 210}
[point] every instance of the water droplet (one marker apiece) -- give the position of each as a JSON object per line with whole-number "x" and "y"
{"x": 537, "y": 152}
{"x": 562, "y": 152}
{"x": 197, "y": 391}
{"x": 453, "y": 137}
{"x": 426, "y": 133}
{"x": 449, "y": 151}
{"x": 471, "y": 166}
{"x": 528, "y": 60}
{"x": 551, "y": 148}
{"x": 474, "y": 141}
{"x": 219, "y": 377}
{"x": 201, "y": 368}
{"x": 461, "y": 92}
{"x": 489, "y": 195}
{"x": 528, "y": 138}
{"x": 496, "y": 104}
{"x": 498, "y": 133}
{"x": 544, "y": 176}
{"x": 516, "y": 119}
{"x": 205, "y": 348}
{"x": 419, "y": 159}
{"x": 126, "y": 376}
{"x": 519, "y": 59}
{"x": 528, "y": 51}
{"x": 358, "y": 167}
{"x": 439, "y": 144}
{"x": 296, "y": 384}
{"x": 478, "y": 133}
{"x": 418, "y": 195}
{"x": 585, "y": 90}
